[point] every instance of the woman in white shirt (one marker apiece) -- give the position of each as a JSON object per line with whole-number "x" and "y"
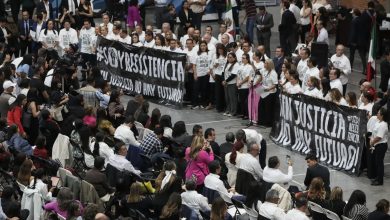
{"x": 244, "y": 74}
{"x": 254, "y": 83}
{"x": 367, "y": 103}
{"x": 230, "y": 79}
{"x": 101, "y": 149}
{"x": 201, "y": 77}
{"x": 135, "y": 40}
{"x": 305, "y": 19}
{"x": 351, "y": 99}
{"x": 335, "y": 82}
{"x": 39, "y": 185}
{"x": 294, "y": 87}
{"x": 49, "y": 37}
{"x": 378, "y": 145}
{"x": 231, "y": 160}
{"x": 159, "y": 42}
{"x": 217, "y": 65}
{"x": 336, "y": 97}
{"x": 314, "y": 88}
{"x": 284, "y": 76}
{"x": 268, "y": 95}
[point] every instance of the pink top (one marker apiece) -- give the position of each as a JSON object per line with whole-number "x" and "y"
{"x": 133, "y": 16}
{"x": 53, "y": 206}
{"x": 90, "y": 121}
{"x": 199, "y": 166}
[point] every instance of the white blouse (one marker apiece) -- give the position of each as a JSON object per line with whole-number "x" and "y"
{"x": 50, "y": 38}
{"x": 246, "y": 70}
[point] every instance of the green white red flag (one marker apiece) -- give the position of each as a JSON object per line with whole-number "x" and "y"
{"x": 372, "y": 51}
{"x": 229, "y": 18}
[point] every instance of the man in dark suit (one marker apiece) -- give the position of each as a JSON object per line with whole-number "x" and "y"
{"x": 15, "y": 7}
{"x": 24, "y": 27}
{"x": 264, "y": 23}
{"x": 227, "y": 147}
{"x": 279, "y": 59}
{"x": 286, "y": 28}
{"x": 385, "y": 72}
{"x": 316, "y": 170}
{"x": 41, "y": 7}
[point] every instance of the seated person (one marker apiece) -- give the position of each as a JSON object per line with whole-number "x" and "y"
{"x": 59, "y": 206}
{"x": 193, "y": 199}
{"x": 151, "y": 143}
{"x": 269, "y": 208}
{"x": 273, "y": 174}
{"x": 137, "y": 200}
{"x": 98, "y": 179}
{"x": 119, "y": 161}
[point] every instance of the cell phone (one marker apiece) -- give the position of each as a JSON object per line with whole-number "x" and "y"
{"x": 288, "y": 158}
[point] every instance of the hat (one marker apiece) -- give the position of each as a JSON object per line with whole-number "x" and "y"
{"x": 7, "y": 84}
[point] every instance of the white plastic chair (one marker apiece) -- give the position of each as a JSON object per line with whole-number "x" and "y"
{"x": 346, "y": 218}
{"x": 315, "y": 207}
{"x": 331, "y": 215}
{"x": 253, "y": 214}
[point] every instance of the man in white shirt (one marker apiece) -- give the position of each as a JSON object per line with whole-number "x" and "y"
{"x": 304, "y": 53}
{"x": 87, "y": 46}
{"x": 311, "y": 71}
{"x": 67, "y": 36}
{"x": 222, "y": 31}
{"x": 165, "y": 28}
{"x": 107, "y": 23}
{"x": 191, "y": 59}
{"x": 140, "y": 32}
{"x": 173, "y": 47}
{"x": 322, "y": 33}
{"x": 125, "y": 38}
{"x": 149, "y": 41}
{"x": 225, "y": 40}
{"x": 250, "y": 164}
{"x": 124, "y": 133}
{"x": 272, "y": 173}
{"x": 193, "y": 199}
{"x": 119, "y": 161}
{"x": 210, "y": 46}
{"x": 341, "y": 62}
{"x": 252, "y": 136}
{"x": 299, "y": 213}
{"x": 245, "y": 49}
{"x": 212, "y": 181}
{"x": 269, "y": 209}
{"x": 190, "y": 33}
{"x": 209, "y": 30}
{"x": 116, "y": 30}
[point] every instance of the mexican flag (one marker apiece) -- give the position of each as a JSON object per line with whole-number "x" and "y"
{"x": 229, "y": 18}
{"x": 372, "y": 51}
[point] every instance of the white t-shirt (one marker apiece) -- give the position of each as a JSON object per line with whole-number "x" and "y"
{"x": 309, "y": 73}
{"x": 86, "y": 40}
{"x": 67, "y": 37}
{"x": 293, "y": 89}
{"x": 126, "y": 40}
{"x": 231, "y": 39}
{"x": 371, "y": 123}
{"x": 295, "y": 214}
{"x": 202, "y": 64}
{"x": 149, "y": 44}
{"x": 246, "y": 70}
{"x": 269, "y": 79}
{"x": 367, "y": 107}
{"x": 381, "y": 130}
{"x": 302, "y": 68}
{"x": 342, "y": 63}
{"x": 233, "y": 71}
{"x": 304, "y": 21}
{"x": 336, "y": 83}
{"x": 110, "y": 26}
{"x": 191, "y": 57}
{"x": 221, "y": 61}
{"x": 323, "y": 36}
{"x": 50, "y": 38}
{"x": 314, "y": 92}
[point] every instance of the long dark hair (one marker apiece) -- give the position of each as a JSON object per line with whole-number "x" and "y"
{"x": 18, "y": 101}
{"x": 114, "y": 96}
{"x": 161, "y": 38}
{"x": 84, "y": 133}
{"x": 207, "y": 48}
{"x": 358, "y": 197}
{"x": 255, "y": 195}
{"x": 47, "y": 27}
{"x": 165, "y": 121}
{"x": 172, "y": 206}
{"x": 155, "y": 118}
{"x": 232, "y": 64}
{"x": 99, "y": 138}
{"x": 236, "y": 147}
{"x": 218, "y": 47}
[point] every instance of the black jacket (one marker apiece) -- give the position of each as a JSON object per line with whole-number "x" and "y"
{"x": 318, "y": 171}
{"x": 377, "y": 215}
{"x": 385, "y": 75}
{"x": 287, "y": 24}
{"x": 41, "y": 8}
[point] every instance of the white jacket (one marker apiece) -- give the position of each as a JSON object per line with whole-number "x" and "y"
{"x": 61, "y": 149}
{"x": 32, "y": 200}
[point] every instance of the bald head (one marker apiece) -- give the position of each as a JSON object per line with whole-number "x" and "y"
{"x": 365, "y": 86}
{"x": 190, "y": 31}
{"x": 261, "y": 49}
{"x": 339, "y": 50}
{"x": 207, "y": 37}
{"x": 225, "y": 39}
{"x": 166, "y": 27}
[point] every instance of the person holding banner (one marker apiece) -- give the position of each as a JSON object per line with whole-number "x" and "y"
{"x": 378, "y": 145}
{"x": 293, "y": 87}
{"x": 268, "y": 94}
{"x": 313, "y": 88}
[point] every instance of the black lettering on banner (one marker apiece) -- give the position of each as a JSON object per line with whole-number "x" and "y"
{"x": 154, "y": 73}
{"x": 334, "y": 133}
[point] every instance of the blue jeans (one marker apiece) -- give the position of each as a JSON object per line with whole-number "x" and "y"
{"x": 250, "y": 24}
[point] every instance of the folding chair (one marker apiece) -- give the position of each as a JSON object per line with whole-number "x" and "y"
{"x": 346, "y": 218}
{"x": 210, "y": 194}
{"x": 188, "y": 213}
{"x": 316, "y": 211}
{"x": 331, "y": 215}
{"x": 253, "y": 214}
{"x": 239, "y": 207}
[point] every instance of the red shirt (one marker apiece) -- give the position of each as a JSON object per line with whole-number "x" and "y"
{"x": 14, "y": 116}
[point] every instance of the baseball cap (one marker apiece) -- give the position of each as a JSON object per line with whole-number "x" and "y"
{"x": 7, "y": 84}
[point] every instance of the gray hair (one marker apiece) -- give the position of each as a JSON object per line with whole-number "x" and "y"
{"x": 272, "y": 194}
{"x": 250, "y": 146}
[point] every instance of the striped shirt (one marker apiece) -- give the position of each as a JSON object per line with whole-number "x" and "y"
{"x": 358, "y": 212}
{"x": 250, "y": 8}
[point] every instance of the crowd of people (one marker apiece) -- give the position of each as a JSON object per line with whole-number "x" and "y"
{"x": 47, "y": 99}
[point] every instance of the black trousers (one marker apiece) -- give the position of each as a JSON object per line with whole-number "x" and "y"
{"x": 243, "y": 100}
{"x": 304, "y": 29}
{"x": 189, "y": 86}
{"x": 266, "y": 111}
{"x": 200, "y": 92}
{"x": 379, "y": 155}
{"x": 24, "y": 46}
{"x": 15, "y": 8}
{"x": 362, "y": 54}
{"x": 197, "y": 20}
{"x": 219, "y": 94}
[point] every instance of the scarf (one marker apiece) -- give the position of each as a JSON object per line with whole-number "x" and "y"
{"x": 167, "y": 177}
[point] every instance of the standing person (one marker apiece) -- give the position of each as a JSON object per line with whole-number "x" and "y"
{"x": 29, "y": 6}
{"x": 31, "y": 125}
{"x": 322, "y": 32}
{"x": 84, "y": 11}
{"x": 15, "y": 8}
{"x": 39, "y": 25}
{"x": 217, "y": 66}
{"x": 316, "y": 170}
{"x": 67, "y": 37}
{"x": 247, "y": 70}
{"x": 7, "y": 94}
{"x": 185, "y": 16}
{"x": 49, "y": 36}
{"x": 305, "y": 13}
{"x": 381, "y": 212}
{"x": 47, "y": 7}
{"x": 197, "y": 7}
{"x": 15, "y": 112}
{"x": 295, "y": 34}
{"x": 250, "y": 10}
{"x": 25, "y": 38}
{"x": 160, "y": 6}
{"x": 378, "y": 145}
{"x": 286, "y": 28}
{"x": 268, "y": 96}
{"x": 254, "y": 82}
{"x": 230, "y": 79}
{"x": 86, "y": 36}
{"x": 198, "y": 155}
{"x": 264, "y": 24}
{"x": 133, "y": 15}
{"x": 278, "y": 60}
{"x": 201, "y": 68}
{"x": 341, "y": 62}
{"x": 311, "y": 71}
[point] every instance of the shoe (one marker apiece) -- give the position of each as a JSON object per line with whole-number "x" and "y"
{"x": 209, "y": 107}
{"x": 202, "y": 107}
{"x": 195, "y": 107}
{"x": 376, "y": 183}
{"x": 226, "y": 113}
{"x": 229, "y": 115}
